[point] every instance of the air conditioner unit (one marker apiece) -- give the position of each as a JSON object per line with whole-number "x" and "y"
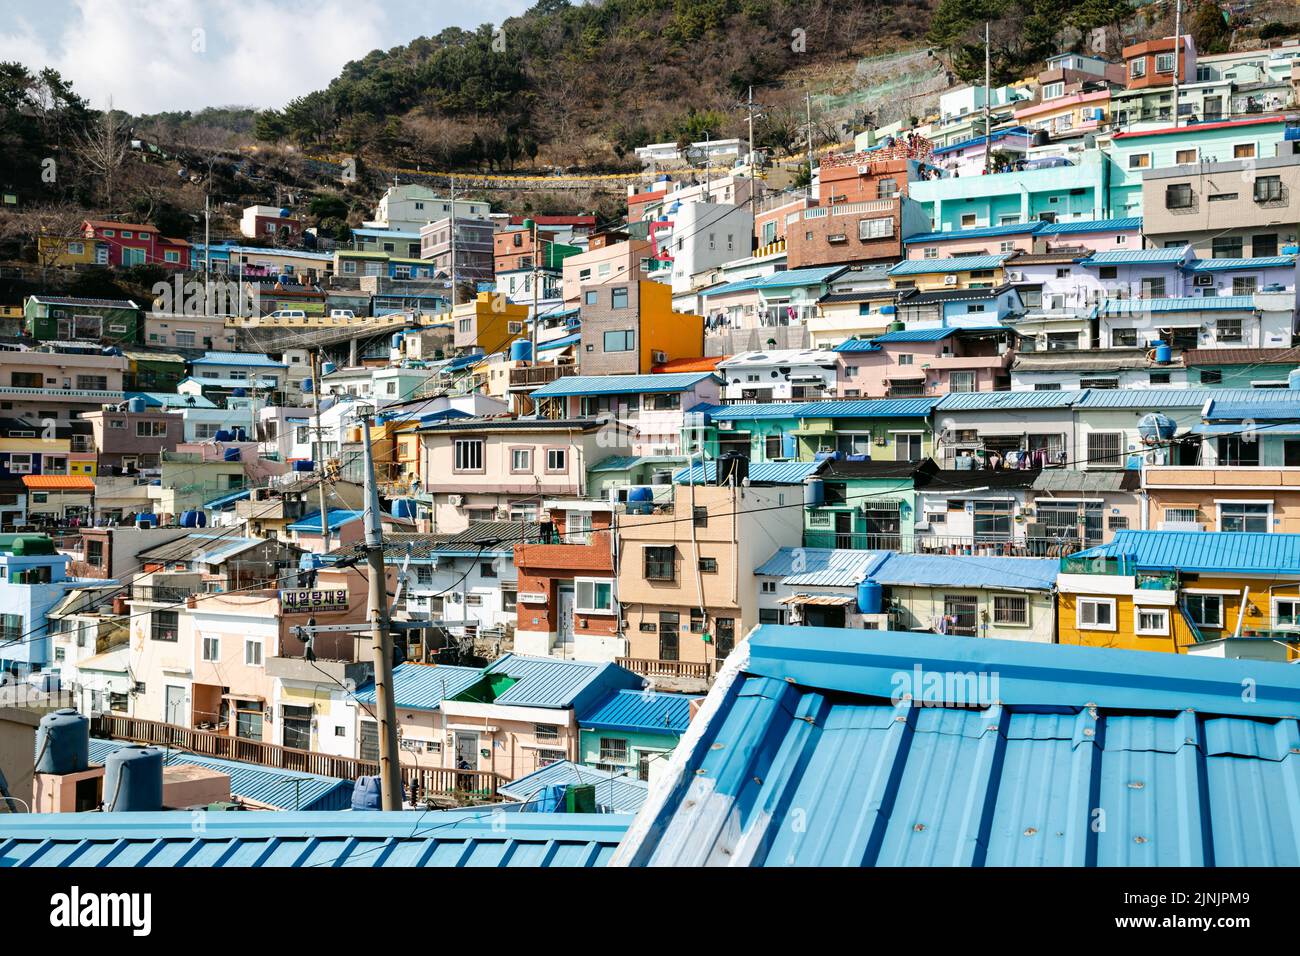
{"x": 455, "y": 500}
{"x": 864, "y": 170}
{"x": 949, "y": 280}
{"x": 1203, "y": 280}
{"x": 503, "y": 513}
{"x": 658, "y": 357}
{"x": 1015, "y": 276}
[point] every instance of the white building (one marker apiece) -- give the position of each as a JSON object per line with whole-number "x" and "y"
{"x": 787, "y": 375}
{"x": 407, "y": 207}
{"x": 703, "y": 236}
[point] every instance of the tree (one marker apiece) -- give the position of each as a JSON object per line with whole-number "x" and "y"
{"x": 47, "y": 226}
{"x": 1209, "y": 28}
{"x": 103, "y": 147}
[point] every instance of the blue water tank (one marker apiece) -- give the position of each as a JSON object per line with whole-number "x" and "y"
{"x": 240, "y": 435}
{"x": 871, "y": 597}
{"x": 63, "y": 742}
{"x": 307, "y": 385}
{"x": 1293, "y": 378}
{"x": 200, "y": 519}
{"x": 403, "y": 508}
{"x": 366, "y": 794}
{"x": 396, "y": 341}
{"x": 814, "y": 493}
{"x": 888, "y": 309}
{"x": 238, "y": 393}
{"x": 1164, "y": 354}
{"x": 304, "y": 464}
{"x": 1155, "y": 427}
{"x": 328, "y": 367}
{"x": 521, "y": 350}
{"x": 136, "y": 405}
{"x": 230, "y": 454}
{"x": 827, "y": 456}
{"x": 640, "y": 501}
{"x": 133, "y": 779}
{"x": 189, "y": 519}
{"x": 223, "y": 435}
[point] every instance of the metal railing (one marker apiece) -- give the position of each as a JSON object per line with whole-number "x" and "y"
{"x": 976, "y": 545}
{"x": 652, "y": 667}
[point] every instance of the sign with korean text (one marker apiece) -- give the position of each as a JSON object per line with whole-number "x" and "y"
{"x": 313, "y": 600}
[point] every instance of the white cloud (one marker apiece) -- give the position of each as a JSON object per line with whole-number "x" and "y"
{"x": 146, "y": 55}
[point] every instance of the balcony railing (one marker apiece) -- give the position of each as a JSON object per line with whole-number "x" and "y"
{"x": 481, "y": 784}
{"x": 651, "y": 667}
{"x": 978, "y": 545}
{"x": 537, "y": 375}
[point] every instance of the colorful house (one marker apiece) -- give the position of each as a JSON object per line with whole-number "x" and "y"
{"x": 63, "y": 319}
{"x": 630, "y": 731}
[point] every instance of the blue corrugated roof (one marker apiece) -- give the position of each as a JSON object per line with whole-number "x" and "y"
{"x": 282, "y": 789}
{"x": 917, "y": 335}
{"x": 621, "y": 384}
{"x": 338, "y": 517}
{"x": 561, "y": 342}
{"x": 980, "y": 232}
{"x": 843, "y": 408}
{"x": 460, "y": 838}
{"x": 983, "y": 401}
{"x": 967, "y": 571}
{"x": 1172, "y": 397}
{"x": 551, "y": 682}
{"x": 771, "y": 472}
{"x": 1129, "y": 257}
{"x": 814, "y": 275}
{"x": 615, "y": 792}
{"x": 1200, "y": 303}
{"x": 424, "y": 686}
{"x": 1205, "y": 551}
{"x": 979, "y": 140}
{"x": 615, "y": 463}
{"x": 230, "y": 499}
{"x": 1122, "y": 224}
{"x": 953, "y": 264}
{"x": 857, "y": 345}
{"x": 1257, "y": 262}
{"x": 1232, "y": 408}
{"x": 638, "y": 711}
{"x": 171, "y": 400}
{"x": 825, "y": 747}
{"x": 238, "y": 358}
{"x": 821, "y": 567}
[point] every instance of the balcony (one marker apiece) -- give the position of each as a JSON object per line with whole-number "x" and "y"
{"x": 535, "y": 376}
{"x": 988, "y": 546}
{"x": 650, "y": 667}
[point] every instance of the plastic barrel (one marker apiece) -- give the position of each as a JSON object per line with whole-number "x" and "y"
{"x": 63, "y": 742}
{"x": 133, "y": 779}
{"x": 871, "y": 597}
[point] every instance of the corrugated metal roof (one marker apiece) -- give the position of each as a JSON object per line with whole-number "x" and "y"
{"x": 857, "y": 345}
{"x": 967, "y": 571}
{"x": 769, "y": 472}
{"x": 338, "y": 517}
{"x": 845, "y": 408}
{"x": 1235, "y": 428}
{"x": 1231, "y": 408}
{"x": 59, "y": 482}
{"x": 1123, "y": 257}
{"x": 282, "y": 789}
{"x": 424, "y": 686}
{"x": 933, "y": 335}
{"x": 1123, "y": 224}
{"x": 615, "y": 792}
{"x": 646, "y": 711}
{"x": 1088, "y": 482}
{"x": 238, "y": 358}
{"x": 952, "y": 264}
{"x": 560, "y": 343}
{"x": 821, "y": 567}
{"x": 1007, "y": 229}
{"x": 474, "y": 838}
{"x": 615, "y": 463}
{"x": 815, "y": 749}
{"x": 814, "y": 275}
{"x": 621, "y": 384}
{"x": 1256, "y": 262}
{"x": 1205, "y": 551}
{"x": 985, "y": 401}
{"x": 218, "y": 503}
{"x": 1202, "y": 303}
{"x": 550, "y": 682}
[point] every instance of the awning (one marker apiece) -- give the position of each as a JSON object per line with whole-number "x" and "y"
{"x": 821, "y": 600}
{"x": 1242, "y": 428}
{"x": 224, "y": 500}
{"x": 903, "y": 376}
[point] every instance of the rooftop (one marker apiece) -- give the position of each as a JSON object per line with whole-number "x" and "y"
{"x": 1204, "y": 552}
{"x": 621, "y": 384}
{"x": 760, "y": 473}
{"x": 952, "y": 264}
{"x": 643, "y": 711}
{"x": 615, "y": 792}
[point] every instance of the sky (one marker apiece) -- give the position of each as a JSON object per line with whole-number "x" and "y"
{"x": 155, "y": 55}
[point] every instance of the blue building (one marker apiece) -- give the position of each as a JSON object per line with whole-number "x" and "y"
{"x": 33, "y": 579}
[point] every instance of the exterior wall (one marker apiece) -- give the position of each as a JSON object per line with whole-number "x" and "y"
{"x": 1205, "y": 487}
{"x": 655, "y": 746}
{"x": 613, "y": 264}
{"x": 654, "y": 325}
{"x": 833, "y": 235}
{"x": 706, "y": 235}
{"x": 489, "y": 322}
{"x": 873, "y": 370}
{"x": 208, "y": 332}
{"x": 918, "y": 607}
{"x": 958, "y": 245}
{"x": 970, "y": 201}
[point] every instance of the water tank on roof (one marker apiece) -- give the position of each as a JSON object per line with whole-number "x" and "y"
{"x": 871, "y": 597}
{"x": 32, "y": 544}
{"x": 136, "y": 405}
{"x": 238, "y": 393}
{"x": 133, "y": 779}
{"x": 403, "y": 508}
{"x": 640, "y": 501}
{"x": 521, "y": 350}
{"x": 284, "y": 213}
{"x": 304, "y": 464}
{"x": 1155, "y": 427}
{"x": 897, "y": 326}
{"x": 231, "y": 454}
{"x": 188, "y": 519}
{"x": 1293, "y": 378}
{"x": 240, "y": 435}
{"x": 731, "y": 467}
{"x": 814, "y": 493}
{"x": 223, "y": 435}
{"x": 1163, "y": 353}
{"x": 63, "y": 742}
{"x": 396, "y": 341}
{"x": 366, "y": 794}
{"x": 328, "y": 367}
{"x": 888, "y": 309}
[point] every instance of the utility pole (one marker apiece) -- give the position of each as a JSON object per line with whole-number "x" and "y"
{"x": 988, "y": 122}
{"x": 317, "y": 447}
{"x": 749, "y": 105}
{"x": 390, "y": 778}
{"x": 807, "y": 104}
{"x": 537, "y": 251}
{"x": 453, "y": 244}
{"x": 207, "y": 252}
{"x": 1178, "y": 53}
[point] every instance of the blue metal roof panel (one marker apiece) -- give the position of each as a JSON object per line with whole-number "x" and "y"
{"x": 857, "y": 345}
{"x": 424, "y": 686}
{"x": 1256, "y": 262}
{"x": 561, "y": 342}
{"x": 230, "y": 499}
{"x": 238, "y": 358}
{"x": 840, "y": 408}
{"x": 1123, "y": 224}
{"x": 639, "y": 710}
{"x": 771, "y": 472}
{"x": 621, "y": 384}
{"x": 983, "y": 401}
{"x": 821, "y": 567}
{"x": 615, "y": 792}
{"x": 551, "y": 682}
{"x": 1205, "y": 551}
{"x": 1007, "y": 229}
{"x": 917, "y": 335}
{"x": 967, "y": 571}
{"x": 1172, "y": 397}
{"x": 337, "y": 518}
{"x": 808, "y": 753}
{"x": 1201, "y": 303}
{"x": 359, "y": 838}
{"x": 1235, "y": 408}
{"x": 1120, "y": 257}
{"x": 615, "y": 463}
{"x": 171, "y": 400}
{"x": 952, "y": 264}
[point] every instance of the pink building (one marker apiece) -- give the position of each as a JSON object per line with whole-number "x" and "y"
{"x": 925, "y": 362}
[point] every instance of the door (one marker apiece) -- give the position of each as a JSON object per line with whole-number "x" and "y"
{"x": 725, "y": 637}
{"x": 669, "y": 645}
{"x": 844, "y": 529}
{"x": 175, "y": 706}
{"x": 564, "y": 617}
{"x": 907, "y": 447}
{"x": 466, "y": 759}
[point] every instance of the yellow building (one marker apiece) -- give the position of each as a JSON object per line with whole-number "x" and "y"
{"x": 67, "y": 252}
{"x": 953, "y": 272}
{"x": 489, "y": 321}
{"x": 665, "y": 334}
{"x": 1231, "y": 594}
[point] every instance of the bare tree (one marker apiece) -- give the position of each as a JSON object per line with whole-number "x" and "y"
{"x": 103, "y": 147}
{"x": 48, "y": 227}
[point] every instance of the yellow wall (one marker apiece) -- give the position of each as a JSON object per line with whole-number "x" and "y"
{"x": 492, "y": 326}
{"x": 1259, "y": 614}
{"x": 676, "y": 334}
{"x": 933, "y": 281}
{"x": 64, "y": 257}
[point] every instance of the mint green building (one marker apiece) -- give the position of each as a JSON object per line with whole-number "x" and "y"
{"x": 630, "y": 730}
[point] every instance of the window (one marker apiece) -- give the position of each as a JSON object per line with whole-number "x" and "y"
{"x": 253, "y": 652}
{"x": 1241, "y": 285}
{"x": 618, "y": 298}
{"x": 1011, "y": 609}
{"x": 1286, "y": 612}
{"x": 20, "y": 464}
{"x": 1268, "y": 189}
{"x": 593, "y": 596}
{"x": 469, "y": 454}
{"x": 1178, "y": 196}
{"x": 546, "y": 733}
{"x": 1228, "y": 330}
{"x": 621, "y": 341}
{"x": 369, "y": 740}
{"x": 11, "y": 627}
{"x": 93, "y": 382}
{"x": 660, "y": 563}
{"x": 150, "y": 429}
{"x": 613, "y": 749}
{"x": 1243, "y": 151}
{"x": 1052, "y": 90}
{"x": 1095, "y": 614}
{"x": 1164, "y": 63}
{"x": 556, "y": 459}
{"x": 887, "y": 188}
{"x": 961, "y": 382}
{"x": 968, "y": 219}
{"x": 1102, "y": 383}
{"x": 1123, "y": 338}
{"x": 992, "y": 520}
{"x": 1184, "y": 157}
{"x": 521, "y": 459}
{"x": 1137, "y": 68}
{"x": 486, "y": 569}
{"x": 1205, "y": 610}
{"x": 1151, "y": 621}
{"x": 1222, "y": 197}
{"x": 1153, "y": 287}
{"x": 1264, "y": 244}
{"x": 212, "y": 649}
{"x": 164, "y": 626}
{"x": 1108, "y": 272}
{"x": 1226, "y": 247}
{"x": 773, "y": 447}
{"x": 297, "y": 726}
{"x": 1105, "y": 449}
{"x": 1211, "y": 376}
{"x": 1139, "y": 161}
{"x": 1245, "y": 516}
{"x": 905, "y": 359}
{"x": 769, "y": 587}
{"x": 875, "y": 228}
{"x": 709, "y": 565}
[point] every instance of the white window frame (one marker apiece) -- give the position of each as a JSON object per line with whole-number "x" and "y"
{"x": 1086, "y": 600}
{"x": 1161, "y": 631}
{"x": 1016, "y": 597}
{"x": 249, "y": 644}
{"x": 1218, "y": 512}
{"x": 468, "y": 444}
{"x": 1277, "y": 601}
{"x": 580, "y": 605}
{"x": 563, "y": 465}
{"x": 203, "y": 649}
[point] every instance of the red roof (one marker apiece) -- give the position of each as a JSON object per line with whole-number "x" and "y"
{"x": 707, "y": 364}
{"x": 646, "y": 197}
{"x": 110, "y": 224}
{"x": 58, "y": 483}
{"x": 555, "y": 220}
{"x": 1199, "y": 127}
